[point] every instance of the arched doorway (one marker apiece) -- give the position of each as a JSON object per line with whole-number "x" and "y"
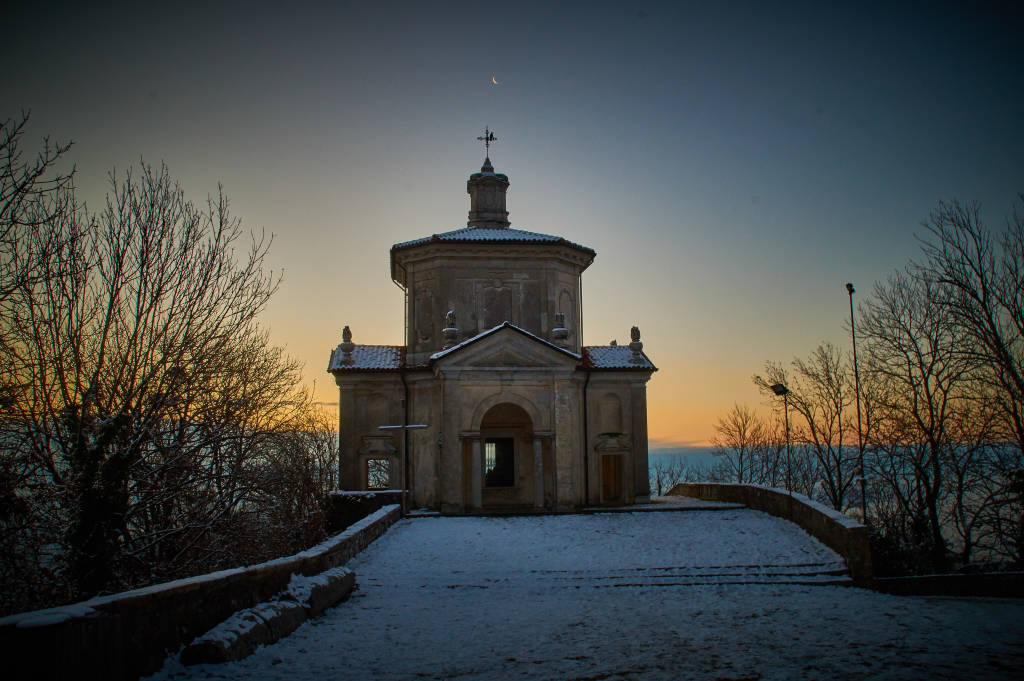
{"x": 510, "y": 474}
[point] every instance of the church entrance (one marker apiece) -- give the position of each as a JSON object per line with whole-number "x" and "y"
{"x": 511, "y": 472}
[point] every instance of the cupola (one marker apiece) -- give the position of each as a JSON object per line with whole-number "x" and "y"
{"x": 487, "y": 198}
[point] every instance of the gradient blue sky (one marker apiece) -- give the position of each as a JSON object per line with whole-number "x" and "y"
{"x": 733, "y": 164}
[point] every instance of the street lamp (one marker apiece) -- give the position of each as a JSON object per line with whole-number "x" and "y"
{"x": 860, "y": 437}
{"x": 782, "y": 390}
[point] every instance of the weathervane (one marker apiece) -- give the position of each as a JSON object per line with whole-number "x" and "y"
{"x": 487, "y": 139}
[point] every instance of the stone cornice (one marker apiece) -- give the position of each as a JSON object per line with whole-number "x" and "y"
{"x": 537, "y": 252}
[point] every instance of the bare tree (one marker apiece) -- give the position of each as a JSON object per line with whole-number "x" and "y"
{"x": 209, "y": 481}
{"x": 664, "y": 475}
{"x": 770, "y": 466}
{"x": 981, "y": 275}
{"x": 1002, "y": 520}
{"x": 138, "y": 351}
{"x": 740, "y": 435}
{"x": 819, "y": 396}
{"x": 970, "y": 469}
{"x": 915, "y": 349}
{"x": 29, "y": 198}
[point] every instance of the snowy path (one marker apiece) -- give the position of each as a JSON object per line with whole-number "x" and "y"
{"x": 697, "y": 594}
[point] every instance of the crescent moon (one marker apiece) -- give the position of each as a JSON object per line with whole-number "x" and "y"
{"x": 494, "y": 80}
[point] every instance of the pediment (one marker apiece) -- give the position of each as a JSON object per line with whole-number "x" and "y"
{"x": 507, "y": 357}
{"x": 508, "y": 348}
{"x": 612, "y": 443}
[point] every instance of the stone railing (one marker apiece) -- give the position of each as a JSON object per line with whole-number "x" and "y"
{"x": 987, "y": 584}
{"x": 127, "y": 635}
{"x": 843, "y": 535}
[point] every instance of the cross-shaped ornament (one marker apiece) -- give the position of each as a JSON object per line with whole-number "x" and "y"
{"x": 487, "y": 139}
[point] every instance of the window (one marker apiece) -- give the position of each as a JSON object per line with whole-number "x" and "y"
{"x": 378, "y": 473}
{"x": 499, "y": 462}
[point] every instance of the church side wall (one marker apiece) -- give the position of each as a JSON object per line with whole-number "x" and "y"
{"x": 617, "y": 427}
{"x": 424, "y": 454}
{"x": 452, "y": 454}
{"x": 638, "y": 407}
{"x": 368, "y": 401}
{"x": 608, "y": 410}
{"x": 568, "y": 452}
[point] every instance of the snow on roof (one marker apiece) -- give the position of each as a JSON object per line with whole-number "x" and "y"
{"x": 488, "y": 332}
{"x": 491, "y": 235}
{"x": 392, "y": 357}
{"x": 369, "y": 358}
{"x": 614, "y": 357}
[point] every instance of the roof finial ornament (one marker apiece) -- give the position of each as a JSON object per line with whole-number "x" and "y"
{"x": 636, "y": 346}
{"x": 487, "y": 139}
{"x": 560, "y": 334}
{"x": 346, "y": 346}
{"x": 450, "y": 330}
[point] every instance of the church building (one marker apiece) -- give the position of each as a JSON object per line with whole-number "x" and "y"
{"x": 493, "y": 403}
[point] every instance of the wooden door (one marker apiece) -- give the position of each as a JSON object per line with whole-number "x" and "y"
{"x": 611, "y": 478}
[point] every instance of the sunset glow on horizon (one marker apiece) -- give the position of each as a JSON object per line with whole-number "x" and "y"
{"x": 732, "y": 166}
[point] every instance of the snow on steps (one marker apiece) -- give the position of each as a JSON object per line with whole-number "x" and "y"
{"x": 833, "y": 573}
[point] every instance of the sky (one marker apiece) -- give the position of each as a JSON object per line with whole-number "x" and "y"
{"x": 733, "y": 164}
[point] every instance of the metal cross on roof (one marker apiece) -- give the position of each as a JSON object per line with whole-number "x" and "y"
{"x": 487, "y": 139}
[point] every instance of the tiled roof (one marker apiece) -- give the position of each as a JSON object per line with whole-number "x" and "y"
{"x": 614, "y": 357}
{"x": 491, "y": 235}
{"x": 369, "y": 358}
{"x": 442, "y": 353}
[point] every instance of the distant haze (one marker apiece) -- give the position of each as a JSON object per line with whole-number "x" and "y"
{"x": 692, "y": 457}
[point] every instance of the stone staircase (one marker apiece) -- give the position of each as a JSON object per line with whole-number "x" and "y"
{"x": 833, "y": 573}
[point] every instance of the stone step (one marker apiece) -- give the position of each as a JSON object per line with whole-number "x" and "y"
{"x": 816, "y": 574}
{"x": 833, "y": 581}
{"x": 683, "y": 581}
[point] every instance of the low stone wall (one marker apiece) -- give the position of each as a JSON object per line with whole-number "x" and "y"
{"x": 343, "y": 508}
{"x": 127, "y": 635}
{"x": 990, "y": 584}
{"x": 843, "y": 535}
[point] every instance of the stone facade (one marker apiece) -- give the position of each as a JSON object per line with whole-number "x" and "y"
{"x": 494, "y": 403}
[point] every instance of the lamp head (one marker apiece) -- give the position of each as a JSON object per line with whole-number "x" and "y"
{"x": 849, "y": 289}
{"x": 780, "y": 389}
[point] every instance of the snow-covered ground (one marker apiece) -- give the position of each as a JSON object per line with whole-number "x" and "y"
{"x": 676, "y": 595}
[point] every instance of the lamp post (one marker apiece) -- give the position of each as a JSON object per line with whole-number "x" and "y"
{"x": 860, "y": 437}
{"x": 782, "y": 390}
